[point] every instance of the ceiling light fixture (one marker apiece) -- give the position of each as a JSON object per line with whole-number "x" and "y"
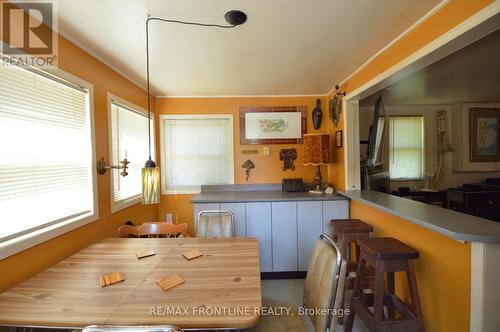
{"x": 150, "y": 172}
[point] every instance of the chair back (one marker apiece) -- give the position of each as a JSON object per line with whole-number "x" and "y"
{"x": 215, "y": 223}
{"x": 153, "y": 230}
{"x": 324, "y": 284}
{"x": 109, "y": 328}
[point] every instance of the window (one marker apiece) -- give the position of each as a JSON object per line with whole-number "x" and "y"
{"x": 197, "y": 150}
{"x": 129, "y": 138}
{"x": 406, "y": 147}
{"x": 46, "y": 155}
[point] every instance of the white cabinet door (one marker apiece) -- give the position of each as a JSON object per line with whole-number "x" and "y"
{"x": 334, "y": 210}
{"x": 284, "y": 239}
{"x": 198, "y": 207}
{"x": 258, "y": 218}
{"x": 310, "y": 221}
{"x": 238, "y": 209}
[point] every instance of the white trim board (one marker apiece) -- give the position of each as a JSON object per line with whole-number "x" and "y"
{"x": 474, "y": 28}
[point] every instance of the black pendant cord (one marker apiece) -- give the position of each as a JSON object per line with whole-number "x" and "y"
{"x": 147, "y": 60}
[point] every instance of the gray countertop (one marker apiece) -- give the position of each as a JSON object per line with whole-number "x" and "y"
{"x": 260, "y": 196}
{"x": 457, "y": 225}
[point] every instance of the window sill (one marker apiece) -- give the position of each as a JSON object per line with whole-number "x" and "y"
{"x": 126, "y": 203}
{"x": 181, "y": 191}
{"x": 405, "y": 180}
{"x": 21, "y": 243}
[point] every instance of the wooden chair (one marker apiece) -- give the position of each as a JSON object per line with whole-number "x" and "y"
{"x": 153, "y": 230}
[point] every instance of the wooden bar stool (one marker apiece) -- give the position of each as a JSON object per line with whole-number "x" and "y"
{"x": 346, "y": 232}
{"x": 386, "y": 255}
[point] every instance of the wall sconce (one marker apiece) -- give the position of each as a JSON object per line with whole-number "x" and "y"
{"x": 103, "y": 167}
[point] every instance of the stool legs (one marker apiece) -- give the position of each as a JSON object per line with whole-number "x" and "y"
{"x": 415, "y": 299}
{"x": 380, "y": 297}
{"x": 391, "y": 309}
{"x": 357, "y": 291}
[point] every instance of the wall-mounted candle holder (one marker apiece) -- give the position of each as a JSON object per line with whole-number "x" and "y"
{"x": 103, "y": 167}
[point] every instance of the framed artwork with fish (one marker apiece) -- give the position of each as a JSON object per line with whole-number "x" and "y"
{"x": 484, "y": 135}
{"x": 273, "y": 125}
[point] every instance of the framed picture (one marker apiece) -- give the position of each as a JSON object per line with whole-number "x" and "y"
{"x": 272, "y": 125}
{"x": 484, "y": 138}
{"x": 338, "y": 139}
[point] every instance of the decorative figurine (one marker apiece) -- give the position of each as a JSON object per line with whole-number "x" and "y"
{"x": 335, "y": 106}
{"x": 248, "y": 165}
{"x": 288, "y": 156}
{"x": 317, "y": 114}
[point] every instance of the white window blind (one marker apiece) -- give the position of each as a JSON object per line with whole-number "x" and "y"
{"x": 198, "y": 151}
{"x": 406, "y": 147}
{"x": 129, "y": 135}
{"x": 46, "y": 173}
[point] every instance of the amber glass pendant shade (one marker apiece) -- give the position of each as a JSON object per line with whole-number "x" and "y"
{"x": 150, "y": 185}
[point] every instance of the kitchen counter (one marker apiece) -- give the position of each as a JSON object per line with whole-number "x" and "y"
{"x": 260, "y": 196}
{"x": 459, "y": 226}
{"x": 238, "y": 193}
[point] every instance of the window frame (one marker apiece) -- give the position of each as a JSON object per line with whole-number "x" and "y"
{"x": 136, "y": 199}
{"x": 163, "y": 154}
{"x": 54, "y": 229}
{"x": 424, "y": 144}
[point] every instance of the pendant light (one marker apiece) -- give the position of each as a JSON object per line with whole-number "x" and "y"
{"x": 150, "y": 172}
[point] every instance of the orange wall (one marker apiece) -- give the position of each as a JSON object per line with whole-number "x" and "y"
{"x": 443, "y": 269}
{"x": 268, "y": 168}
{"x": 29, "y": 262}
{"x": 449, "y": 16}
{"x": 445, "y": 295}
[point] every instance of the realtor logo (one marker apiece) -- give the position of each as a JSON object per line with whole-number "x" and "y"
{"x": 29, "y": 32}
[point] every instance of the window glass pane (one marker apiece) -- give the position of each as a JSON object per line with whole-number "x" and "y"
{"x": 129, "y": 135}
{"x": 198, "y": 151}
{"x": 46, "y": 151}
{"x": 406, "y": 147}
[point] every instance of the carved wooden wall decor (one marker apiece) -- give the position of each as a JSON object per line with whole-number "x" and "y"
{"x": 288, "y": 156}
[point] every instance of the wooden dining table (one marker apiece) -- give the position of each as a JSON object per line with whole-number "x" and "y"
{"x": 221, "y": 289}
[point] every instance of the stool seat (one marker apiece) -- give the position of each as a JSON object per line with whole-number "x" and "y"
{"x": 387, "y": 248}
{"x": 350, "y": 226}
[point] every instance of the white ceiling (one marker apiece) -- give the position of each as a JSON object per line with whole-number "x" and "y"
{"x": 471, "y": 74}
{"x": 287, "y": 47}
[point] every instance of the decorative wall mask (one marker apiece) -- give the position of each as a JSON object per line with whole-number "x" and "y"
{"x": 248, "y": 165}
{"x": 317, "y": 114}
{"x": 288, "y": 156}
{"x": 335, "y": 106}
